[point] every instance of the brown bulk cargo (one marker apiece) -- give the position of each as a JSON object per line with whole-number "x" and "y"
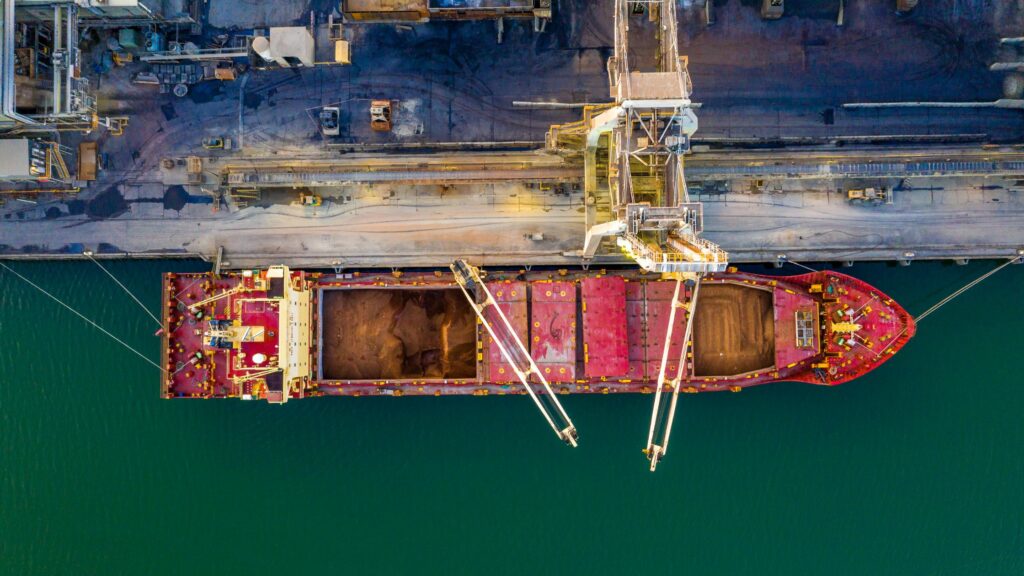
{"x": 87, "y": 161}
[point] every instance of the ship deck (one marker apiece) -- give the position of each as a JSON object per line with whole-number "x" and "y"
{"x": 588, "y": 332}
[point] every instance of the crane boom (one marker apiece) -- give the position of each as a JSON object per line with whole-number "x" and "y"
{"x": 662, "y": 416}
{"x": 513, "y": 351}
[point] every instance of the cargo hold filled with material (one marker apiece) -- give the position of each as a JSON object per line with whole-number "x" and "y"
{"x": 372, "y": 334}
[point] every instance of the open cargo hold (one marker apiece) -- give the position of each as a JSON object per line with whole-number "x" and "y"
{"x": 734, "y": 330}
{"x": 381, "y": 334}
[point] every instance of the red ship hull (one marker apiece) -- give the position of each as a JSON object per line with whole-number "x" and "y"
{"x": 589, "y": 332}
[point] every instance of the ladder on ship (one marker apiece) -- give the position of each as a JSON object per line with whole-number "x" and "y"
{"x": 513, "y": 351}
{"x": 664, "y": 412}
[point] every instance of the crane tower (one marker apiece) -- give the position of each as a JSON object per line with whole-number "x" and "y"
{"x": 633, "y": 153}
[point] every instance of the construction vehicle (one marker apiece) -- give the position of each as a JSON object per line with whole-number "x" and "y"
{"x": 380, "y": 115}
{"x": 216, "y": 143}
{"x": 871, "y": 196}
{"x": 311, "y": 200}
{"x": 122, "y": 58}
{"x": 329, "y": 121}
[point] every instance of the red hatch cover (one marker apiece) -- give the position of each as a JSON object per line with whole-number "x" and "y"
{"x": 511, "y": 297}
{"x": 659, "y": 309}
{"x": 636, "y": 328}
{"x": 553, "y": 329}
{"x": 606, "y": 352}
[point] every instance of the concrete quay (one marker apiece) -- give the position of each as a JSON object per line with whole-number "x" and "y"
{"x": 521, "y": 223}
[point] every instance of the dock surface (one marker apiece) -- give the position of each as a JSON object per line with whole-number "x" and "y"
{"x": 518, "y": 224}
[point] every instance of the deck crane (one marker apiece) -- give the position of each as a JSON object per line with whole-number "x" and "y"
{"x": 216, "y": 297}
{"x": 513, "y": 350}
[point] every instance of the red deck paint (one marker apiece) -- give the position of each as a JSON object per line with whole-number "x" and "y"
{"x": 659, "y": 309}
{"x": 606, "y": 331}
{"x": 636, "y": 329}
{"x": 511, "y": 297}
{"x": 787, "y": 305}
{"x": 553, "y": 329}
{"x": 606, "y": 351}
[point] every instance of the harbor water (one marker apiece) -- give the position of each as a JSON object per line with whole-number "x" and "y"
{"x": 914, "y": 469}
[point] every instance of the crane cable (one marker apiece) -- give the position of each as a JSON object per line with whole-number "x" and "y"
{"x": 970, "y": 285}
{"x": 125, "y": 288}
{"x": 80, "y": 315}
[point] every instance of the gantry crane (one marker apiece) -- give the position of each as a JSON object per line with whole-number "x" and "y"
{"x": 633, "y": 152}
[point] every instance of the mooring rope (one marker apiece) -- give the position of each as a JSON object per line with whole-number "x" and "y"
{"x": 125, "y": 288}
{"x": 970, "y": 285}
{"x": 80, "y": 315}
{"x": 800, "y": 265}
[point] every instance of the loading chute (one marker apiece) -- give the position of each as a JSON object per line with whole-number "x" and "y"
{"x": 633, "y": 149}
{"x": 513, "y": 350}
{"x": 664, "y": 413}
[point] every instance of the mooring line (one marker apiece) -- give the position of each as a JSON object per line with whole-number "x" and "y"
{"x": 80, "y": 315}
{"x": 970, "y": 285}
{"x": 125, "y": 288}
{"x": 784, "y": 259}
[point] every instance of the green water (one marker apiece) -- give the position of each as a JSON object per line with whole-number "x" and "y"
{"x": 914, "y": 469}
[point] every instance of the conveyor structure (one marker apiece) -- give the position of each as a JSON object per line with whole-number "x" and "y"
{"x": 633, "y": 155}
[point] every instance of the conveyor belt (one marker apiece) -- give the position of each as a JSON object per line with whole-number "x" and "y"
{"x": 449, "y": 168}
{"x": 480, "y": 167}
{"x": 285, "y": 178}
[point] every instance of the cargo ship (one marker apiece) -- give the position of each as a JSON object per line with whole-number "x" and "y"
{"x": 278, "y": 334}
